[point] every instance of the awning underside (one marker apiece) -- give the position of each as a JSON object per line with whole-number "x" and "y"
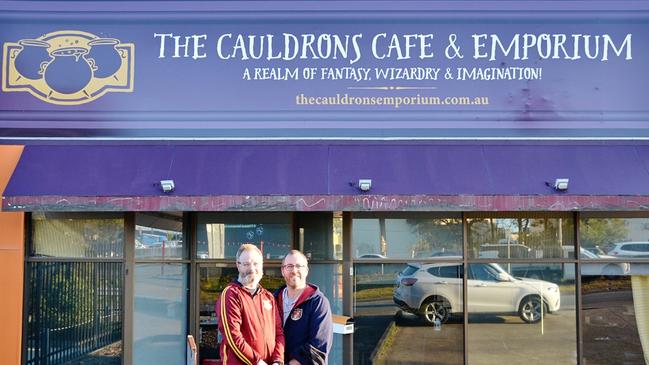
{"x": 324, "y": 176}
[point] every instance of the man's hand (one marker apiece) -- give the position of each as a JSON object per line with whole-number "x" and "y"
{"x": 294, "y": 362}
{"x": 262, "y": 362}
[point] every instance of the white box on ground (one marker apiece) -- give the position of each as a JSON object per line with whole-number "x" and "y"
{"x": 343, "y": 324}
{"x": 192, "y": 351}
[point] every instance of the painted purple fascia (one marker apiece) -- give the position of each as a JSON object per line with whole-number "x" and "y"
{"x": 372, "y": 203}
{"x": 331, "y": 169}
{"x": 293, "y": 6}
{"x": 301, "y": 176}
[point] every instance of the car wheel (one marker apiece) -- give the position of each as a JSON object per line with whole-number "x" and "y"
{"x": 530, "y": 309}
{"x": 434, "y": 309}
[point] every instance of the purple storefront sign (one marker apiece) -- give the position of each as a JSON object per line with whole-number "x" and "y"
{"x": 359, "y": 70}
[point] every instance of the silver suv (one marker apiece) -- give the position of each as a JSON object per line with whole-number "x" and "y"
{"x": 630, "y": 249}
{"x": 434, "y": 291}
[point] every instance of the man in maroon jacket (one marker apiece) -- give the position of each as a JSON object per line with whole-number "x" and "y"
{"x": 249, "y": 321}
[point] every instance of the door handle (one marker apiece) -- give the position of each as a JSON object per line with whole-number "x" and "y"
{"x": 442, "y": 282}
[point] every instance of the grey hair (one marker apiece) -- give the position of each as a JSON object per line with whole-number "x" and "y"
{"x": 248, "y": 247}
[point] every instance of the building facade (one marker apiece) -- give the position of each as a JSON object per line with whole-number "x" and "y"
{"x": 469, "y": 181}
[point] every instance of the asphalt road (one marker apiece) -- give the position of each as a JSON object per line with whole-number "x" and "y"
{"x": 492, "y": 339}
{"x": 610, "y": 329}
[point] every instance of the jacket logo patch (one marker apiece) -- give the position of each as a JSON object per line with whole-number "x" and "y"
{"x": 267, "y": 304}
{"x": 296, "y": 314}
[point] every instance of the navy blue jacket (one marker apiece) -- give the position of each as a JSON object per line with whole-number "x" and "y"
{"x": 308, "y": 330}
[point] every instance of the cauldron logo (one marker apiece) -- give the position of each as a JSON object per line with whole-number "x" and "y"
{"x": 106, "y": 56}
{"x": 68, "y": 67}
{"x": 32, "y": 58}
{"x": 69, "y": 61}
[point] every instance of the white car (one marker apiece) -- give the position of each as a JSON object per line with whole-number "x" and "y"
{"x": 630, "y": 249}
{"x": 434, "y": 291}
{"x": 596, "y": 269}
{"x": 590, "y": 265}
{"x": 372, "y": 256}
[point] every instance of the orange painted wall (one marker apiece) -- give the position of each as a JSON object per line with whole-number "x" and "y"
{"x": 12, "y": 238}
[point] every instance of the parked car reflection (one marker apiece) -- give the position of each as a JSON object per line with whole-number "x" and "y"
{"x": 505, "y": 250}
{"x": 444, "y": 253}
{"x": 606, "y": 269}
{"x": 629, "y": 249}
{"x": 566, "y": 272}
{"x": 372, "y": 256}
{"x": 434, "y": 292}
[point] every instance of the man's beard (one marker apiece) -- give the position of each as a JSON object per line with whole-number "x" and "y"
{"x": 294, "y": 281}
{"x": 249, "y": 279}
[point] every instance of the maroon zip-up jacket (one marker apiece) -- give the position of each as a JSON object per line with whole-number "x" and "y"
{"x": 250, "y": 326}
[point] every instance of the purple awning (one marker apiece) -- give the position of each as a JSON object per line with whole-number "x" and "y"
{"x": 459, "y": 175}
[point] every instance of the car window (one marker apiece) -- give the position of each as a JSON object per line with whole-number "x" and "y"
{"x": 453, "y": 271}
{"x": 505, "y": 251}
{"x": 434, "y": 271}
{"x": 483, "y": 272}
{"x": 409, "y": 270}
{"x": 631, "y": 247}
{"x": 585, "y": 254}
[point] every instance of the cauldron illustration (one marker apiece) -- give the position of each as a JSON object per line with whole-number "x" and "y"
{"x": 70, "y": 71}
{"x": 32, "y": 58}
{"x": 107, "y": 58}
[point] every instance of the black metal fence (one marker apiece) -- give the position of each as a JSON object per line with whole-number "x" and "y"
{"x": 74, "y": 309}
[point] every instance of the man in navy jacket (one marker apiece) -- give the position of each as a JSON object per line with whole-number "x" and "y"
{"x": 308, "y": 328}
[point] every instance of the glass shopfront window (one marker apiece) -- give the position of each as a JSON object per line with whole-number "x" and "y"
{"x": 319, "y": 235}
{"x": 160, "y": 317}
{"x": 159, "y": 236}
{"x": 160, "y": 289}
{"x": 525, "y": 237}
{"x": 416, "y": 236}
{"x": 615, "y": 315}
{"x": 408, "y": 312}
{"x": 220, "y": 235}
{"x": 329, "y": 279}
{"x": 75, "y": 287}
{"x": 519, "y": 320}
{"x": 408, "y": 284}
{"x": 212, "y": 280}
{"x": 604, "y": 238}
{"x": 77, "y": 235}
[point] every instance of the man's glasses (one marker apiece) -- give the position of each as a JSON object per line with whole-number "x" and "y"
{"x": 290, "y": 267}
{"x": 249, "y": 264}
